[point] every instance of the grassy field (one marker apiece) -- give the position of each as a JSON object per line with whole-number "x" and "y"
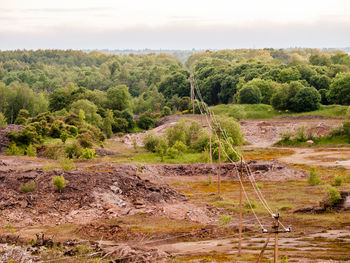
{"x": 263, "y": 111}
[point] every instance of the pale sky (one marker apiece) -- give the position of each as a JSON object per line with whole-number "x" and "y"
{"x": 180, "y": 24}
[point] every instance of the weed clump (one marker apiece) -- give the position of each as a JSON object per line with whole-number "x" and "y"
{"x": 313, "y": 179}
{"x": 28, "y": 187}
{"x": 333, "y": 196}
{"x": 224, "y": 220}
{"x": 338, "y": 181}
{"x": 59, "y": 182}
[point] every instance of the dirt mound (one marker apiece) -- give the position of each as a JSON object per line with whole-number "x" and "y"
{"x": 266, "y": 133}
{"x": 103, "y": 152}
{"x": 88, "y": 195}
{"x": 4, "y": 141}
{"x": 126, "y": 254}
{"x": 263, "y": 171}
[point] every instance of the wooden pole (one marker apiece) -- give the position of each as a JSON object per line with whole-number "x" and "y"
{"x": 263, "y": 250}
{"x": 192, "y": 94}
{"x": 276, "y": 225}
{"x": 210, "y": 151}
{"x": 219, "y": 170}
{"x": 240, "y": 210}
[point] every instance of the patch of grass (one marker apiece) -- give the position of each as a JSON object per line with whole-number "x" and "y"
{"x": 263, "y": 111}
{"x": 28, "y": 187}
{"x": 186, "y": 158}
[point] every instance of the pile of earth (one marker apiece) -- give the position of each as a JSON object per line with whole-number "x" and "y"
{"x": 4, "y": 140}
{"x": 262, "y": 171}
{"x": 88, "y": 195}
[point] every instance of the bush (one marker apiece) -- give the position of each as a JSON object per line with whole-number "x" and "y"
{"x": 151, "y": 142}
{"x": 31, "y": 151}
{"x": 59, "y": 182}
{"x": 180, "y": 147}
{"x": 338, "y": 181}
{"x": 13, "y": 149}
{"x": 64, "y": 136}
{"x": 162, "y": 148}
{"x": 176, "y": 133}
{"x": 146, "y": 122}
{"x": 166, "y": 111}
{"x": 231, "y": 128}
{"x": 224, "y": 220}
{"x": 313, "y": 179}
{"x": 73, "y": 150}
{"x": 3, "y": 122}
{"x": 85, "y": 139}
{"x": 333, "y": 196}
{"x": 172, "y": 152}
{"x": 55, "y": 151}
{"x": 249, "y": 95}
{"x": 87, "y": 153}
{"x": 28, "y": 187}
{"x": 119, "y": 125}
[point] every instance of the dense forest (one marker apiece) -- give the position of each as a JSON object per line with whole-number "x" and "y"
{"x": 93, "y": 95}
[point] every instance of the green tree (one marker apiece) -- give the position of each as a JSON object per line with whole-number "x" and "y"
{"x": 90, "y": 110}
{"x": 249, "y": 95}
{"x": 107, "y": 123}
{"x": 288, "y": 75}
{"x": 266, "y": 87}
{"x": 118, "y": 98}
{"x": 307, "y": 99}
{"x": 339, "y": 92}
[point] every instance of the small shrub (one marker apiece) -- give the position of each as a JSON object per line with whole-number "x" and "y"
{"x": 85, "y": 139}
{"x": 224, "y": 220}
{"x": 172, "y": 152}
{"x": 55, "y": 151}
{"x": 59, "y": 182}
{"x": 87, "y": 153}
{"x": 333, "y": 196}
{"x": 151, "y": 142}
{"x": 313, "y": 179}
{"x": 64, "y": 137}
{"x": 28, "y": 187}
{"x": 247, "y": 206}
{"x": 162, "y": 148}
{"x": 73, "y": 150}
{"x": 338, "y": 181}
{"x": 166, "y": 111}
{"x": 66, "y": 164}
{"x": 31, "y": 151}
{"x": 180, "y": 147}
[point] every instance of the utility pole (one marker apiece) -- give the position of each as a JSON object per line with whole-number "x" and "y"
{"x": 210, "y": 152}
{"x": 275, "y": 227}
{"x": 192, "y": 93}
{"x": 240, "y": 209}
{"x": 219, "y": 170}
{"x": 276, "y": 231}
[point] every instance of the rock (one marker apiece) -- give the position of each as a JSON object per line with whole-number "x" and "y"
{"x": 310, "y": 142}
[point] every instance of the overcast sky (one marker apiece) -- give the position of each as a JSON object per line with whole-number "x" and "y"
{"x": 177, "y": 24}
